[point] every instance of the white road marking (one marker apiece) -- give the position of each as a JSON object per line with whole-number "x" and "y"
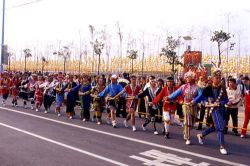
{"x": 164, "y": 159}
{"x": 64, "y": 145}
{"x": 131, "y": 139}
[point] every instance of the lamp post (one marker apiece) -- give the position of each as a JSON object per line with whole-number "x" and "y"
{"x": 2, "y": 44}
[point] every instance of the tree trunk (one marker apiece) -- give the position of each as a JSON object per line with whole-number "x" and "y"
{"x": 9, "y": 63}
{"x": 42, "y": 67}
{"x": 219, "y": 63}
{"x": 25, "y": 63}
{"x": 99, "y": 61}
{"x": 173, "y": 67}
{"x": 142, "y": 64}
{"x": 132, "y": 65}
{"x": 64, "y": 65}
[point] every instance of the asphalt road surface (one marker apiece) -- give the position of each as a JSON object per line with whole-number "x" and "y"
{"x": 29, "y": 138}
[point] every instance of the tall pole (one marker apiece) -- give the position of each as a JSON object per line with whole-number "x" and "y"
{"x": 2, "y": 44}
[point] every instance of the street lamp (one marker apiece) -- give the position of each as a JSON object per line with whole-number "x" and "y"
{"x": 2, "y": 44}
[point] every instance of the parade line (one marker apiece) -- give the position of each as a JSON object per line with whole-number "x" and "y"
{"x": 113, "y": 135}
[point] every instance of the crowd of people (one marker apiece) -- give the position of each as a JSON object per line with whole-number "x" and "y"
{"x": 212, "y": 99}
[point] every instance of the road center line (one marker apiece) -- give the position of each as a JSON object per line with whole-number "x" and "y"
{"x": 64, "y": 145}
{"x": 129, "y": 139}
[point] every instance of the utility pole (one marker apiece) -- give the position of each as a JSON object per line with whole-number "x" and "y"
{"x": 2, "y": 44}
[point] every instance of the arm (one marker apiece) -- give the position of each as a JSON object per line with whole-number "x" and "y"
{"x": 104, "y": 92}
{"x": 175, "y": 94}
{"x": 159, "y": 97}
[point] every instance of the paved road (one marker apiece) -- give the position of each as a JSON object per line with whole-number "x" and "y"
{"x": 29, "y": 138}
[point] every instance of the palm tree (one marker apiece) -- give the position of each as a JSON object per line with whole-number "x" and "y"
{"x": 98, "y": 47}
{"x": 170, "y": 53}
{"x": 27, "y": 54}
{"x": 132, "y": 55}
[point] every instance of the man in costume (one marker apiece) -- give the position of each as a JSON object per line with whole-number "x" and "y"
{"x": 216, "y": 98}
{"x": 111, "y": 91}
{"x": 150, "y": 92}
{"x": 169, "y": 107}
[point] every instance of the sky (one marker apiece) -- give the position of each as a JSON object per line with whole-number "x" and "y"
{"x": 54, "y": 23}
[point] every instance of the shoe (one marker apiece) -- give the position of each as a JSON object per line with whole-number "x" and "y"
{"x": 133, "y": 128}
{"x": 31, "y": 107}
{"x": 223, "y": 151}
{"x": 167, "y": 135}
{"x": 99, "y": 123}
{"x": 236, "y": 134}
{"x": 37, "y": 110}
{"x": 58, "y": 114}
{"x": 188, "y": 142}
{"x": 45, "y": 112}
{"x": 84, "y": 120}
{"x": 114, "y": 124}
{"x": 242, "y": 136}
{"x": 143, "y": 128}
{"x": 125, "y": 123}
{"x": 199, "y": 136}
{"x": 156, "y": 133}
{"x": 71, "y": 117}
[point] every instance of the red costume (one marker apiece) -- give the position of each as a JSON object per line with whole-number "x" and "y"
{"x": 247, "y": 114}
{"x": 168, "y": 106}
{"x": 132, "y": 92}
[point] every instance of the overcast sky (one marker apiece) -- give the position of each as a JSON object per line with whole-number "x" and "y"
{"x": 50, "y": 21}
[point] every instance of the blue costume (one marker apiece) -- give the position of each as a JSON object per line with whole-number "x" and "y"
{"x": 215, "y": 94}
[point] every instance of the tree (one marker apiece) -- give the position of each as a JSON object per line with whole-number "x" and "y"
{"x": 92, "y": 30}
{"x": 120, "y": 40}
{"x": 44, "y": 62}
{"x": 220, "y": 37}
{"x": 65, "y": 54}
{"x": 27, "y": 54}
{"x": 170, "y": 52}
{"x": 132, "y": 55}
{"x": 98, "y": 47}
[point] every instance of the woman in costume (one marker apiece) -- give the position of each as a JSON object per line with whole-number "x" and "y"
{"x": 189, "y": 91}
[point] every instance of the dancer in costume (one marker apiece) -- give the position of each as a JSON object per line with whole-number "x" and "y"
{"x": 84, "y": 94}
{"x": 150, "y": 93}
{"x": 70, "y": 97}
{"x": 5, "y": 86}
{"x": 48, "y": 93}
{"x": 24, "y": 89}
{"x": 59, "y": 95}
{"x": 216, "y": 98}
{"x": 247, "y": 106}
{"x": 38, "y": 93}
{"x": 111, "y": 91}
{"x": 189, "y": 91}
{"x": 132, "y": 90}
{"x": 15, "y": 83}
{"x": 97, "y": 101}
{"x": 169, "y": 107}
